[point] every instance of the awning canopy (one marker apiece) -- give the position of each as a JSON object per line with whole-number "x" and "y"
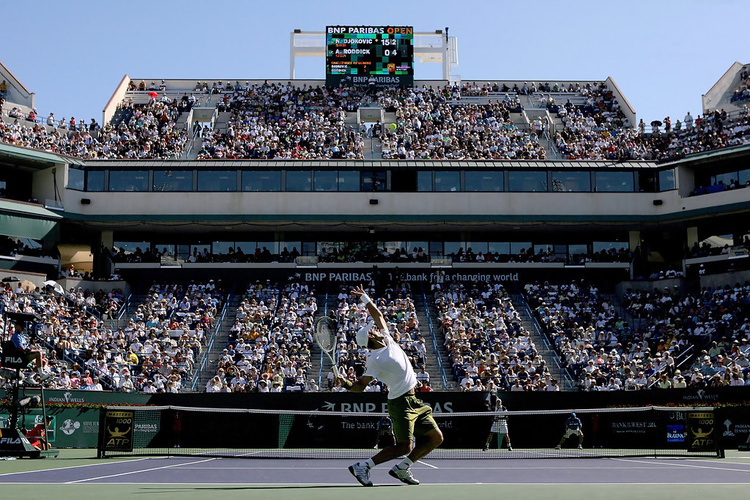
{"x": 25, "y": 220}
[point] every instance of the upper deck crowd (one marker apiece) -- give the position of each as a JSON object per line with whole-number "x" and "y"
{"x": 455, "y": 122}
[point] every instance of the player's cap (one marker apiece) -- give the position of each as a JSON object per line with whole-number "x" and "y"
{"x": 572, "y": 414}
{"x": 362, "y": 337}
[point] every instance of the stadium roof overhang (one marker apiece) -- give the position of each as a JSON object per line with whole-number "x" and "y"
{"x": 206, "y": 225}
{"x": 712, "y": 157}
{"x": 29, "y": 159}
{"x": 369, "y": 164}
{"x": 26, "y": 220}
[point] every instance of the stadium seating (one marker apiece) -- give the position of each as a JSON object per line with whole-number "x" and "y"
{"x": 487, "y": 344}
{"x": 283, "y": 121}
{"x": 82, "y": 340}
{"x": 666, "y": 335}
{"x": 270, "y": 341}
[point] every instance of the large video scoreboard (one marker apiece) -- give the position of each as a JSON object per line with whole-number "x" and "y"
{"x": 367, "y": 55}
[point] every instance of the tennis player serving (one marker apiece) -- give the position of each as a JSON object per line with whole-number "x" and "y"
{"x": 415, "y": 430}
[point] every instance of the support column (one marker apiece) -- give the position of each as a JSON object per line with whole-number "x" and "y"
{"x": 103, "y": 264}
{"x": 634, "y": 241}
{"x": 691, "y": 236}
{"x": 107, "y": 239}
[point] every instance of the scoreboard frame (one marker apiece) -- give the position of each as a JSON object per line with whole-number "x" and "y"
{"x": 370, "y": 55}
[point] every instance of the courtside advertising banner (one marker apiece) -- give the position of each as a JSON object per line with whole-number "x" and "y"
{"x": 701, "y": 431}
{"x": 118, "y": 430}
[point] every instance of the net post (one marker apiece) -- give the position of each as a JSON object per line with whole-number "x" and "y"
{"x": 100, "y": 437}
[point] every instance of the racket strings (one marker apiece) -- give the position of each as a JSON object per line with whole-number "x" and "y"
{"x": 325, "y": 334}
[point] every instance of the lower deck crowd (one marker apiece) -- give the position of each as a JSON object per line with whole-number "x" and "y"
{"x": 486, "y": 337}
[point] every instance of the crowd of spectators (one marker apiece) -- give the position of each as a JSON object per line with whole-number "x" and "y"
{"x": 277, "y": 121}
{"x": 138, "y": 131}
{"x": 714, "y": 321}
{"x": 12, "y": 246}
{"x": 143, "y": 131}
{"x": 712, "y": 131}
{"x": 282, "y": 121}
{"x": 363, "y": 251}
{"x": 660, "y": 339}
{"x": 596, "y": 129}
{"x": 666, "y": 332}
{"x": 486, "y": 342}
{"x": 433, "y": 124}
{"x": 269, "y": 342}
{"x": 233, "y": 255}
{"x": 155, "y": 351}
{"x": 705, "y": 249}
{"x": 581, "y": 324}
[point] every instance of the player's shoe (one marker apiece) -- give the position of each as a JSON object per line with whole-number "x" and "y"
{"x": 580, "y": 447}
{"x": 403, "y": 475}
{"x": 362, "y": 473}
{"x": 485, "y": 448}
{"x": 510, "y": 448}
{"x": 558, "y": 447}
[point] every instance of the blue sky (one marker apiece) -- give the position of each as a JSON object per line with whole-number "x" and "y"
{"x": 663, "y": 54}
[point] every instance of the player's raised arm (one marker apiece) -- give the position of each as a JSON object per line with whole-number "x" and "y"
{"x": 377, "y": 316}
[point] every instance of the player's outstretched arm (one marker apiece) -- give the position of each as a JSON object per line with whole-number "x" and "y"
{"x": 377, "y": 316}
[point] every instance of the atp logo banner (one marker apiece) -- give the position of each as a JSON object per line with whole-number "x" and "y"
{"x": 117, "y": 431}
{"x": 701, "y": 431}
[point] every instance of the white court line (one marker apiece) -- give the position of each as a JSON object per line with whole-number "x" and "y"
{"x": 136, "y": 471}
{"x": 671, "y": 464}
{"x": 349, "y": 483}
{"x": 72, "y": 467}
{"x": 286, "y": 467}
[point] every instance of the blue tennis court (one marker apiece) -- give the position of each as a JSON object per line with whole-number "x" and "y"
{"x": 531, "y": 478}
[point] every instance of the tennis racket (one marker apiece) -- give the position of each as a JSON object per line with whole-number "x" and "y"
{"x": 325, "y": 336}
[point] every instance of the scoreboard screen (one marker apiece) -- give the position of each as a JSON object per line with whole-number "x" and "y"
{"x": 370, "y": 55}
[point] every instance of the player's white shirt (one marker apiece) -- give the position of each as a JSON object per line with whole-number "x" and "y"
{"x": 391, "y": 366}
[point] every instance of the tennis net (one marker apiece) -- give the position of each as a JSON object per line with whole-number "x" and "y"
{"x": 253, "y": 433}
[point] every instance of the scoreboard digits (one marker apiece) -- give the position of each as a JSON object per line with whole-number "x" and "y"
{"x": 364, "y": 55}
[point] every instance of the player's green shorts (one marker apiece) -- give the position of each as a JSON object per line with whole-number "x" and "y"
{"x": 411, "y": 417}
